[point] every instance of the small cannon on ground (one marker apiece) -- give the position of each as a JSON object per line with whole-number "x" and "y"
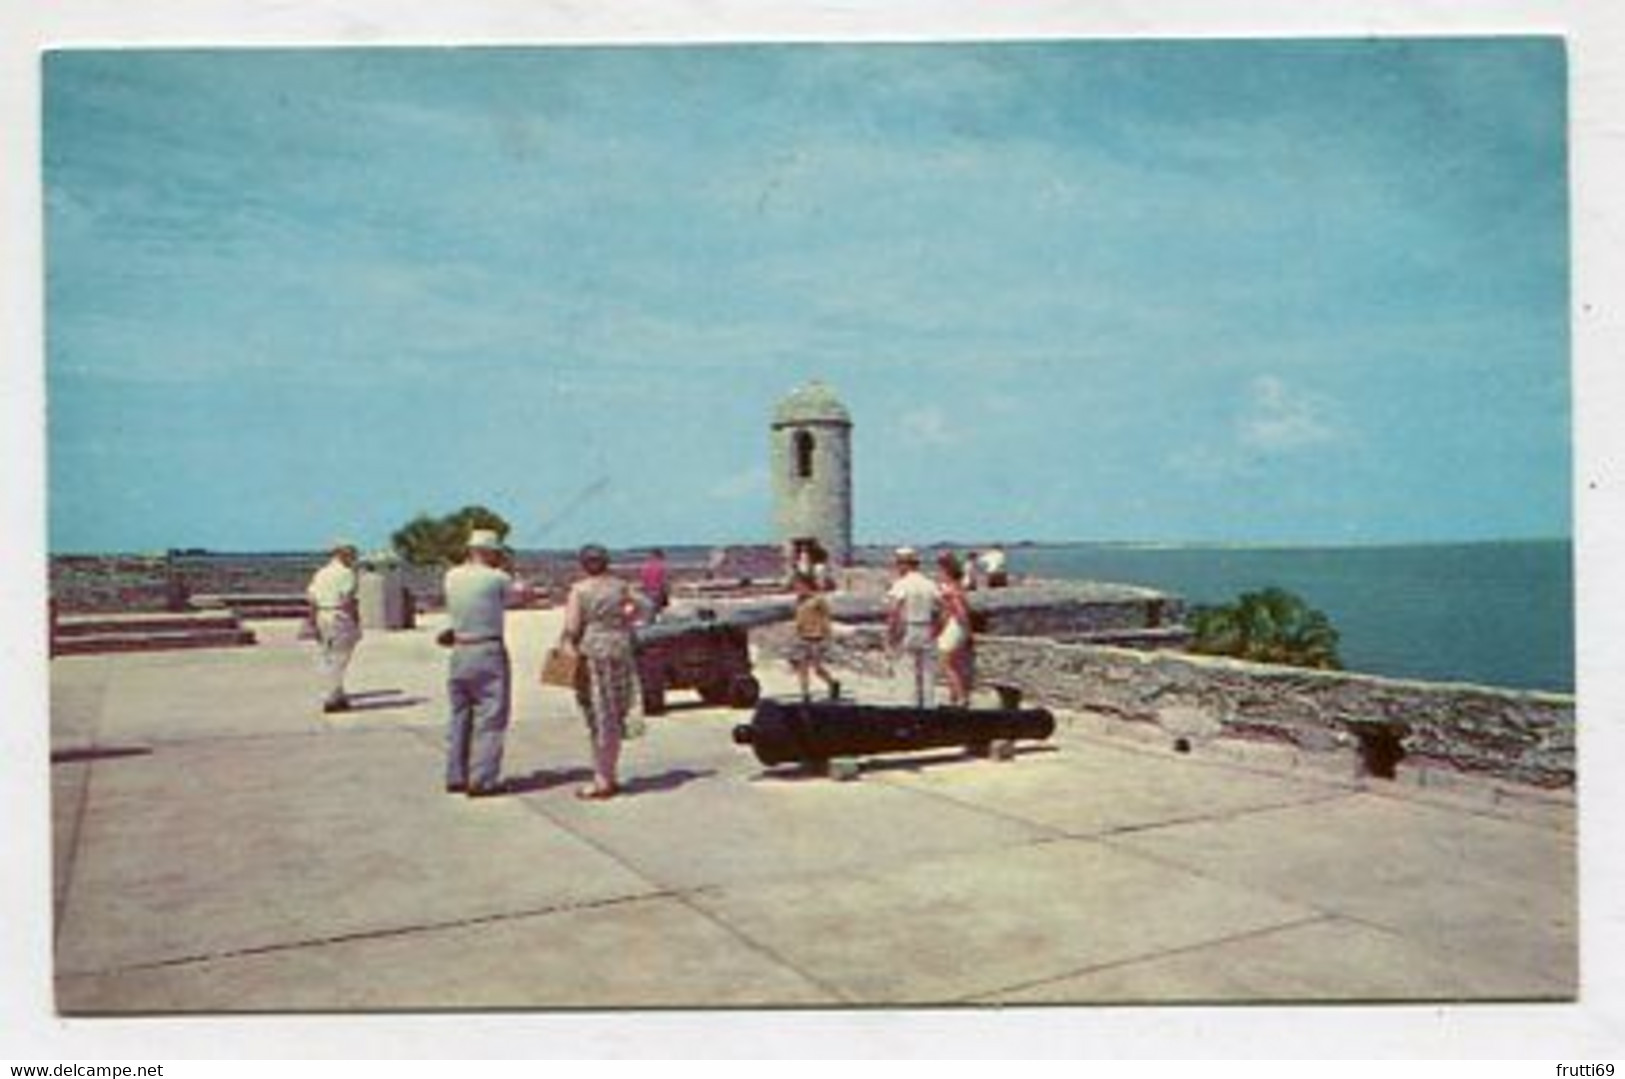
{"x": 816, "y": 732}
{"x": 708, "y": 654}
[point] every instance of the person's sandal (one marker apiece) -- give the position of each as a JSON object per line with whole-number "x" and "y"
{"x": 596, "y": 793}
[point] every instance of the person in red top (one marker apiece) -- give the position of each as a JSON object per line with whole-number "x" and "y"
{"x": 652, "y": 579}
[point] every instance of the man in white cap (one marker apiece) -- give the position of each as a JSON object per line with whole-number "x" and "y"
{"x": 911, "y": 616}
{"x": 332, "y": 594}
{"x": 479, "y": 678}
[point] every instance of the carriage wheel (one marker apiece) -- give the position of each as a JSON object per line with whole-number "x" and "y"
{"x": 744, "y": 691}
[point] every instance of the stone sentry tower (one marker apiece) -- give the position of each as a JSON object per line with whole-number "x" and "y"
{"x": 812, "y": 472}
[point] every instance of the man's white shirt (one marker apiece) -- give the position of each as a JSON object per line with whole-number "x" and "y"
{"x": 333, "y": 586}
{"x": 917, "y": 595}
{"x": 477, "y": 598}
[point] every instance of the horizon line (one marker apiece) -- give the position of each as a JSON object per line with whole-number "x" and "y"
{"x": 945, "y": 543}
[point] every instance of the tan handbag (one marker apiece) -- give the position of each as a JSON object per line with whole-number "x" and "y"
{"x": 560, "y": 666}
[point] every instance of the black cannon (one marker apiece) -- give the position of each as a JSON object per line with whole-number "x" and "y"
{"x": 816, "y": 732}
{"x": 708, "y": 654}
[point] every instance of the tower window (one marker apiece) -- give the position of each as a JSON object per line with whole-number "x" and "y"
{"x": 804, "y": 455}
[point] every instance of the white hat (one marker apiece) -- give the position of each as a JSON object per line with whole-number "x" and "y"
{"x": 483, "y": 539}
{"x": 907, "y": 554}
{"x": 342, "y": 543}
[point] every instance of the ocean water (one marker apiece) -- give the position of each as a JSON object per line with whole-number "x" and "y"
{"x": 1498, "y": 614}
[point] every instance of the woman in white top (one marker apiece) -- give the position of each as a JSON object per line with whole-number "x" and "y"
{"x": 954, "y": 633}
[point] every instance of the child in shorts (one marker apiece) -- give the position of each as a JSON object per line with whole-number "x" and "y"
{"x": 813, "y": 624}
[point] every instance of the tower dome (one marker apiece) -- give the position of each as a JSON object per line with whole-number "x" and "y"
{"x": 812, "y": 403}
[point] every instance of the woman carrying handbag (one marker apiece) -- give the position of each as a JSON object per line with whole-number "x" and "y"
{"x": 598, "y": 620}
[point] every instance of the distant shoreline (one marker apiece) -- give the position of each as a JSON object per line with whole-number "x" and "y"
{"x": 880, "y": 550}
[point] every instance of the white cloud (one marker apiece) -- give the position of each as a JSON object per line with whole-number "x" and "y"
{"x": 1279, "y": 417}
{"x": 1210, "y": 465}
{"x": 930, "y": 426}
{"x": 751, "y": 481}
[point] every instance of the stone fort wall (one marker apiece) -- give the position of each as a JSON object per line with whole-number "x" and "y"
{"x": 132, "y": 583}
{"x": 1383, "y": 725}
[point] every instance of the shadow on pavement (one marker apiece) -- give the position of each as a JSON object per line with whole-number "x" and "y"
{"x": 664, "y": 781}
{"x": 879, "y": 765}
{"x": 380, "y": 702}
{"x": 916, "y": 762}
{"x": 545, "y": 778}
{"x": 374, "y": 694}
{"x": 695, "y": 705}
{"x": 97, "y": 753}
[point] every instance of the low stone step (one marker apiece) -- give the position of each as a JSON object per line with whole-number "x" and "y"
{"x": 247, "y": 599}
{"x": 254, "y": 604}
{"x": 269, "y": 612}
{"x": 78, "y": 625}
{"x": 99, "y": 643}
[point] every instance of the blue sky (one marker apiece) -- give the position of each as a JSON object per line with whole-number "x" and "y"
{"x": 1239, "y": 291}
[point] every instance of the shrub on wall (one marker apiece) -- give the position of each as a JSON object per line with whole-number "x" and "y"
{"x": 1271, "y": 626}
{"x": 429, "y": 541}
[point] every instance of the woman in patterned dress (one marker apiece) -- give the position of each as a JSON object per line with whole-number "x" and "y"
{"x": 954, "y": 644}
{"x": 598, "y": 619}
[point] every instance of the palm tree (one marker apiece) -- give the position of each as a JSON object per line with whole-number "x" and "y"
{"x": 428, "y": 541}
{"x": 1271, "y": 626}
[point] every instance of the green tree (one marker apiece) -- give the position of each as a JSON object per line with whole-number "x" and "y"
{"x": 1271, "y": 626}
{"x": 430, "y": 541}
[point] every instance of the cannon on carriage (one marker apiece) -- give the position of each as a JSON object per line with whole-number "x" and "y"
{"x": 702, "y": 652}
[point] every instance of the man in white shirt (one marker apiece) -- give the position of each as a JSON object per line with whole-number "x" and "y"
{"x": 479, "y": 678}
{"x": 911, "y": 617}
{"x": 332, "y": 594}
{"x": 993, "y": 566}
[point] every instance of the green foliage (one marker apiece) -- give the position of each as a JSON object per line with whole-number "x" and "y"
{"x": 1272, "y": 626}
{"x": 429, "y": 541}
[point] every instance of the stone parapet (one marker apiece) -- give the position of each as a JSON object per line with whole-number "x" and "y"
{"x": 155, "y": 583}
{"x": 116, "y": 583}
{"x": 73, "y": 635}
{"x": 1522, "y": 737}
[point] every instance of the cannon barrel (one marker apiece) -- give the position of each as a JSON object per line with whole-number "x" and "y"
{"x": 810, "y": 732}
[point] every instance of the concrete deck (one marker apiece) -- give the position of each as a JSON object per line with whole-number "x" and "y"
{"x": 221, "y": 846}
